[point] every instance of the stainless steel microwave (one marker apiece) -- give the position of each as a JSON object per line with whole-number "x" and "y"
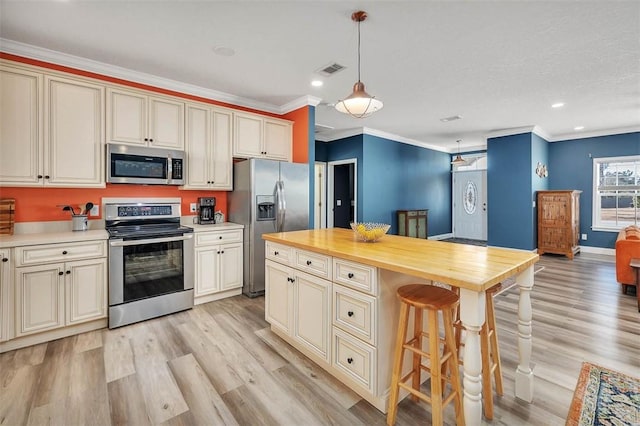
{"x": 143, "y": 165}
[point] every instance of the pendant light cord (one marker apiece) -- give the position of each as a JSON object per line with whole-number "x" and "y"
{"x": 358, "y": 51}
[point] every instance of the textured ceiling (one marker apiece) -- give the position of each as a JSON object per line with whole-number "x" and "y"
{"x": 499, "y": 65}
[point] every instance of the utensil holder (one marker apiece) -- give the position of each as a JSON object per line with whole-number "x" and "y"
{"x": 79, "y": 222}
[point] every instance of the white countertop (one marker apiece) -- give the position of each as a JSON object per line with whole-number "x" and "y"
{"x": 8, "y": 241}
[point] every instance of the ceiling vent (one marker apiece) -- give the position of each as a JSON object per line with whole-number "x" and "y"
{"x": 330, "y": 69}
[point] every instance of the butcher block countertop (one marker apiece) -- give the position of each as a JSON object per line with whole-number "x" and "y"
{"x": 465, "y": 266}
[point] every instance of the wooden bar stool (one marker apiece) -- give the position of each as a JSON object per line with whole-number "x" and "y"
{"x": 488, "y": 348}
{"x": 433, "y": 300}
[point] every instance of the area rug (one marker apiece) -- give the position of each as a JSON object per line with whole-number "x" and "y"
{"x": 604, "y": 397}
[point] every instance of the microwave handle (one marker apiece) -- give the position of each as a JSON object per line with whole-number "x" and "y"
{"x": 169, "y": 169}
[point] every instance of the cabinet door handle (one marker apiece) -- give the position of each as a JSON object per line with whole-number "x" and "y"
{"x": 150, "y": 139}
{"x": 39, "y": 176}
{"x": 64, "y": 252}
{"x": 60, "y": 273}
{"x": 4, "y": 259}
{"x": 68, "y": 272}
{"x": 308, "y": 262}
{"x": 220, "y": 237}
{"x": 350, "y": 313}
{"x": 46, "y": 176}
{"x": 222, "y": 252}
{"x": 275, "y": 253}
{"x": 350, "y": 274}
{"x": 350, "y": 360}
{"x": 146, "y": 139}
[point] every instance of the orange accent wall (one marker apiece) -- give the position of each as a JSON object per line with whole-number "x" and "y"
{"x": 300, "y": 118}
{"x": 40, "y": 204}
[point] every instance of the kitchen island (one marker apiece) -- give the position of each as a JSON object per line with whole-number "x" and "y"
{"x": 334, "y": 298}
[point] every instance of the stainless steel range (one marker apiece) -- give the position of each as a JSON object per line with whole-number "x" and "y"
{"x": 150, "y": 261}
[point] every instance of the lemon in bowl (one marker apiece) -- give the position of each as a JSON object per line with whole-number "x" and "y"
{"x": 368, "y": 231}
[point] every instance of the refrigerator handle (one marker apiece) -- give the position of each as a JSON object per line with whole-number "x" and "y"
{"x": 281, "y": 206}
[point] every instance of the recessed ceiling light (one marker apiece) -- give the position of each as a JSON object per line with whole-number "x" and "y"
{"x": 317, "y": 83}
{"x": 557, "y": 105}
{"x": 578, "y": 128}
{"x": 224, "y": 51}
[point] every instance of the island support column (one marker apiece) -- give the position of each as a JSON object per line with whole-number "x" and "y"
{"x": 472, "y": 314}
{"x": 524, "y": 373}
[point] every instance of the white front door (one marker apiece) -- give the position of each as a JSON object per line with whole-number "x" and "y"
{"x": 470, "y": 204}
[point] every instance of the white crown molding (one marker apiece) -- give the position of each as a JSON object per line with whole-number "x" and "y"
{"x": 401, "y": 139}
{"x": 509, "y": 132}
{"x": 84, "y": 64}
{"x": 299, "y": 103}
{"x": 594, "y": 134}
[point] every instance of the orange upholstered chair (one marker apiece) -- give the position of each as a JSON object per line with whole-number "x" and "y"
{"x": 627, "y": 248}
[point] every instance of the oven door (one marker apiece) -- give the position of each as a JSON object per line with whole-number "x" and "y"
{"x": 144, "y": 268}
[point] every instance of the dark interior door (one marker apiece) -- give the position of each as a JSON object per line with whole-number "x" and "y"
{"x": 343, "y": 195}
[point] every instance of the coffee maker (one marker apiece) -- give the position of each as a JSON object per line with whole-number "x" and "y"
{"x": 206, "y": 210}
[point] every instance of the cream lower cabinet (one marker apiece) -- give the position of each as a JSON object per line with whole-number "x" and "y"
{"x": 208, "y": 147}
{"x": 218, "y": 263}
{"x": 60, "y": 294}
{"x": 299, "y": 304}
{"x": 59, "y": 290}
{"x": 6, "y": 296}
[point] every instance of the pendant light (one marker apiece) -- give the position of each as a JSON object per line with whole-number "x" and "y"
{"x": 458, "y": 161}
{"x": 359, "y": 104}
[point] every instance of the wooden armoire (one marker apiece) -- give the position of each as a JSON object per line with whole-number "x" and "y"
{"x": 559, "y": 222}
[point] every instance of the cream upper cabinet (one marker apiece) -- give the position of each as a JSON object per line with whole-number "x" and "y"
{"x": 278, "y": 139}
{"x": 74, "y": 133}
{"x": 256, "y": 136}
{"x": 51, "y": 130}
{"x": 134, "y": 118}
{"x": 208, "y": 146}
{"x": 21, "y": 135}
{"x": 6, "y": 296}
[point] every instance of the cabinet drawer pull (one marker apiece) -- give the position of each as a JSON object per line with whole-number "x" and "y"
{"x": 4, "y": 259}
{"x": 350, "y": 313}
{"x": 64, "y": 252}
{"x": 220, "y": 237}
{"x": 350, "y": 275}
{"x": 350, "y": 360}
{"x": 308, "y": 262}
{"x": 275, "y": 253}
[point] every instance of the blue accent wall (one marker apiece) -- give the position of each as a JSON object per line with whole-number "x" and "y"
{"x": 571, "y": 167}
{"x": 539, "y": 154}
{"x": 510, "y": 215}
{"x": 394, "y": 176}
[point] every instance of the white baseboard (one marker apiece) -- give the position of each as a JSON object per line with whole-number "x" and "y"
{"x": 441, "y": 236}
{"x": 598, "y": 250}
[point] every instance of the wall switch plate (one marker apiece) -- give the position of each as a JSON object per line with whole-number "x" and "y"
{"x": 193, "y": 207}
{"x": 584, "y": 237}
{"x": 95, "y": 211}
{"x": 338, "y": 203}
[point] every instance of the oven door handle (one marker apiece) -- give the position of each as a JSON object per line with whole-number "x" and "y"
{"x": 121, "y": 243}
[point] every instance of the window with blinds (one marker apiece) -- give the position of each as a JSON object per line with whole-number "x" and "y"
{"x": 616, "y": 192}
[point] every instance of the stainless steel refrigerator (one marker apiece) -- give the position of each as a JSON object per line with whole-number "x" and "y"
{"x": 268, "y": 196}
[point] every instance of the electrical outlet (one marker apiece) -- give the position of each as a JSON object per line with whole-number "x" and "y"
{"x": 193, "y": 207}
{"x": 95, "y": 211}
{"x": 584, "y": 237}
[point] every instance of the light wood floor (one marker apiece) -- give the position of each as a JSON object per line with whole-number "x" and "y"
{"x": 220, "y": 364}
